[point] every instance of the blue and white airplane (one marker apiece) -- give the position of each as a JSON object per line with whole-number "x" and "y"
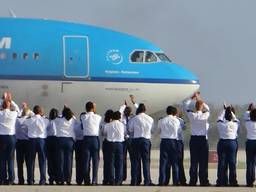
{"x": 52, "y": 63}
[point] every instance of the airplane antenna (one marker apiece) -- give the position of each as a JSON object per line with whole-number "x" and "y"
{"x": 12, "y": 14}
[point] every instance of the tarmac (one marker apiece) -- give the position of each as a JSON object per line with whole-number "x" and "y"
{"x": 154, "y": 174}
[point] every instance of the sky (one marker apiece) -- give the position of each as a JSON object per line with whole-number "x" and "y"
{"x": 215, "y": 39}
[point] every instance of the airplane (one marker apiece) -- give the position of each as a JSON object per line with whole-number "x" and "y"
{"x": 52, "y": 63}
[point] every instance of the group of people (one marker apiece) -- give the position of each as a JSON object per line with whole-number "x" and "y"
{"x": 55, "y": 138}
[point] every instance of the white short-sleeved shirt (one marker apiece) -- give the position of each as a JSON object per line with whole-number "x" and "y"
{"x": 7, "y": 122}
{"x": 141, "y": 126}
{"x": 114, "y": 131}
{"x": 91, "y": 124}
{"x": 37, "y": 126}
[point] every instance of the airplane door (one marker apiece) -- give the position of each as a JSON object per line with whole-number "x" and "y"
{"x": 76, "y": 56}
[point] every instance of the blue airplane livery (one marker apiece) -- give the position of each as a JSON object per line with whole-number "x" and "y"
{"x": 52, "y": 63}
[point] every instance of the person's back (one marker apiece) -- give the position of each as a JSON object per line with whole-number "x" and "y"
{"x": 141, "y": 125}
{"x": 91, "y": 123}
{"x": 7, "y": 122}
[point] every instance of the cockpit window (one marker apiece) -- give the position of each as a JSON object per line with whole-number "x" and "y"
{"x": 150, "y": 57}
{"x": 137, "y": 56}
{"x": 163, "y": 57}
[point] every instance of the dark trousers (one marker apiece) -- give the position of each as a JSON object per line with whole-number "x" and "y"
{"x": 22, "y": 155}
{"x": 91, "y": 152}
{"x": 52, "y": 162}
{"x": 7, "y": 147}
{"x": 135, "y": 167}
{"x": 126, "y": 146}
{"x": 106, "y": 162}
{"x": 168, "y": 156}
{"x": 65, "y": 146}
{"x": 226, "y": 150}
{"x": 116, "y": 159}
{"x": 79, "y": 152}
{"x": 180, "y": 148}
{"x": 37, "y": 145}
{"x": 250, "y": 161}
{"x": 199, "y": 152}
{"x": 142, "y": 153}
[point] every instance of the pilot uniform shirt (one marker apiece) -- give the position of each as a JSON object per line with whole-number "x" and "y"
{"x": 91, "y": 124}
{"x": 37, "y": 126}
{"x": 251, "y": 130}
{"x": 79, "y": 135}
{"x": 168, "y": 127}
{"x": 7, "y": 122}
{"x": 51, "y": 129}
{"x": 141, "y": 126}
{"x": 21, "y": 128}
{"x": 64, "y": 127}
{"x": 181, "y": 129}
{"x": 115, "y": 131}
{"x": 198, "y": 120}
{"x": 125, "y": 120}
{"x": 227, "y": 129}
{"x": 246, "y": 116}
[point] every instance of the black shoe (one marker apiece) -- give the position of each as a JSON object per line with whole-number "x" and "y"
{"x": 250, "y": 185}
{"x": 149, "y": 184}
{"x": 183, "y": 184}
{"x": 205, "y": 184}
{"x": 234, "y": 185}
{"x": 94, "y": 183}
{"x": 192, "y": 184}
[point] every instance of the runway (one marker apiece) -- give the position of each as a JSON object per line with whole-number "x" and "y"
{"x": 154, "y": 174}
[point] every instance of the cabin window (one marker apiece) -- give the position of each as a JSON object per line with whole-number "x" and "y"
{"x": 163, "y": 57}
{"x": 25, "y": 56}
{"x": 36, "y": 56}
{"x": 150, "y": 57}
{"x": 14, "y": 56}
{"x": 137, "y": 56}
{"x": 3, "y": 56}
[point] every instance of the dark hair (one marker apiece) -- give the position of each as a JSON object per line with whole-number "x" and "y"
{"x": 108, "y": 115}
{"x": 127, "y": 111}
{"x": 83, "y": 113}
{"x": 228, "y": 114}
{"x": 89, "y": 106}
{"x": 38, "y": 110}
{"x": 141, "y": 108}
{"x": 170, "y": 110}
{"x": 53, "y": 114}
{"x": 67, "y": 113}
{"x": 116, "y": 115}
{"x": 253, "y": 115}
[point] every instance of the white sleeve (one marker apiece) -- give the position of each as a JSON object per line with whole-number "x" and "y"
{"x": 15, "y": 106}
{"x": 136, "y": 105}
{"x": 221, "y": 116}
{"x": 122, "y": 108}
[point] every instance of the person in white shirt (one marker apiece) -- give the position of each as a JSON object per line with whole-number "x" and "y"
{"x": 51, "y": 148}
{"x": 106, "y": 148}
{"x": 199, "y": 148}
{"x": 228, "y": 125}
{"x": 7, "y": 142}
{"x": 246, "y": 115}
{"x": 79, "y": 152}
{"x": 126, "y": 115}
{"x": 251, "y": 148}
{"x": 91, "y": 125}
{"x": 115, "y": 132}
{"x": 22, "y": 144}
{"x": 141, "y": 126}
{"x": 168, "y": 128}
{"x": 65, "y": 133}
{"x": 37, "y": 133}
